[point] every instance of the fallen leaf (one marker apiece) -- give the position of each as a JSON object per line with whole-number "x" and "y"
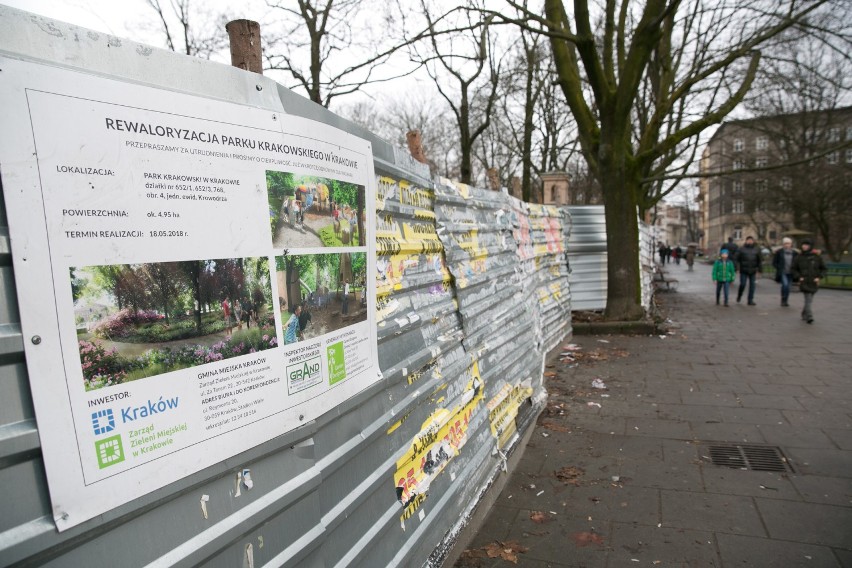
{"x": 539, "y": 517}
{"x": 582, "y": 539}
{"x": 549, "y": 374}
{"x": 554, "y": 427}
{"x": 570, "y": 474}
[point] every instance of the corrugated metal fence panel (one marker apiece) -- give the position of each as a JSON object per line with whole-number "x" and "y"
{"x": 646, "y": 264}
{"x": 498, "y": 317}
{"x": 587, "y": 257}
{"x": 548, "y": 275}
{"x": 372, "y": 482}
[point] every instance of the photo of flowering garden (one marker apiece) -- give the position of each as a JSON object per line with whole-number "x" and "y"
{"x": 140, "y": 320}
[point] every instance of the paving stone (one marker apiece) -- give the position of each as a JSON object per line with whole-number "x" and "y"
{"x": 733, "y": 433}
{"x": 785, "y": 390}
{"x": 780, "y": 402}
{"x": 665, "y": 546}
{"x": 727, "y": 481}
{"x": 793, "y": 393}
{"x": 832, "y": 463}
{"x": 657, "y": 428}
{"x": 690, "y": 413}
{"x": 710, "y": 512}
{"x": 662, "y": 475}
{"x": 747, "y": 551}
{"x": 821, "y": 489}
{"x": 785, "y": 520}
{"x": 840, "y": 436}
{"x": 617, "y": 501}
{"x": 793, "y": 437}
{"x": 813, "y": 419}
{"x": 752, "y": 415}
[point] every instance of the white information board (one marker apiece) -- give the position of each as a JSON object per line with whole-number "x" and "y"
{"x": 191, "y": 275}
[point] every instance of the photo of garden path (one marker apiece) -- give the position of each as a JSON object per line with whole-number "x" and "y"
{"x": 318, "y": 284}
{"x": 139, "y": 320}
{"x": 310, "y": 211}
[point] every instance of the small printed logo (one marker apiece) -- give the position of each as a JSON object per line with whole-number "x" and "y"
{"x": 336, "y": 363}
{"x": 109, "y": 451}
{"x": 103, "y": 421}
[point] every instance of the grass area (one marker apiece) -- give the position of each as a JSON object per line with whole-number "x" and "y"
{"x": 329, "y": 239}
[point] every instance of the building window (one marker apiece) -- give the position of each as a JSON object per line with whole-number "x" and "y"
{"x": 738, "y": 144}
{"x": 760, "y": 185}
{"x": 773, "y": 235}
{"x": 849, "y": 132}
{"x": 761, "y": 162}
{"x": 834, "y": 135}
{"x": 738, "y": 233}
{"x": 833, "y": 157}
{"x": 761, "y": 143}
{"x": 738, "y": 187}
{"x": 738, "y": 164}
{"x": 849, "y": 156}
{"x": 786, "y": 183}
{"x": 739, "y": 206}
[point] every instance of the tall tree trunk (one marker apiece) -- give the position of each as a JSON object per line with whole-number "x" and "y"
{"x": 466, "y": 167}
{"x": 624, "y": 293}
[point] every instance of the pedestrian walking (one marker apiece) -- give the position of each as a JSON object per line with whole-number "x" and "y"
{"x": 292, "y": 330}
{"x": 676, "y": 254}
{"x": 783, "y": 264}
{"x": 345, "y": 297}
{"x": 808, "y": 269}
{"x": 226, "y": 311}
{"x": 662, "y": 252}
{"x": 690, "y": 256}
{"x": 749, "y": 264}
{"x": 732, "y": 248}
{"x": 724, "y": 273}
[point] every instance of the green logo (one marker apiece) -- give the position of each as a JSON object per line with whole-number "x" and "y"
{"x": 336, "y": 368}
{"x": 109, "y": 451}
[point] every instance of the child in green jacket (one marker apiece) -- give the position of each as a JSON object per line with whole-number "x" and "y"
{"x": 724, "y": 273}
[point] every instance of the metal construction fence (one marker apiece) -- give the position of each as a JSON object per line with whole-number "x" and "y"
{"x": 472, "y": 291}
{"x": 587, "y": 256}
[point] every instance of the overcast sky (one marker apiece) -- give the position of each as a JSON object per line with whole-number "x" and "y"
{"x": 123, "y": 17}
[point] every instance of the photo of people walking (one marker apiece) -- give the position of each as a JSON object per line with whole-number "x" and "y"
{"x": 320, "y": 293}
{"x": 309, "y": 211}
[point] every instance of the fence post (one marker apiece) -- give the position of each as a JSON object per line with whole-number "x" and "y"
{"x": 244, "y": 37}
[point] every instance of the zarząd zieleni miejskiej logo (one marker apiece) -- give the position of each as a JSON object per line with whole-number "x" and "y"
{"x": 110, "y": 451}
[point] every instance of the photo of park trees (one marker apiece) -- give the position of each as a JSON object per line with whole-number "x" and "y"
{"x": 310, "y": 211}
{"x": 316, "y": 284}
{"x": 140, "y": 320}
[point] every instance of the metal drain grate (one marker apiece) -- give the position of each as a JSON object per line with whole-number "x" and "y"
{"x": 755, "y": 458}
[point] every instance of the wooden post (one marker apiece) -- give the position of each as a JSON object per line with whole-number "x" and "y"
{"x": 415, "y": 146}
{"x": 244, "y": 36}
{"x": 493, "y": 175}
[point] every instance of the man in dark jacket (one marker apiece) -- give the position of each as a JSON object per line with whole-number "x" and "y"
{"x": 808, "y": 269}
{"x": 782, "y": 262}
{"x": 749, "y": 264}
{"x": 731, "y": 247}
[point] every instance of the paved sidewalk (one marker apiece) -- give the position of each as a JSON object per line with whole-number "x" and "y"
{"x": 632, "y": 484}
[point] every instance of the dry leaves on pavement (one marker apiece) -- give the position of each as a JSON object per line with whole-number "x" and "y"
{"x": 508, "y": 550}
{"x": 570, "y": 475}
{"x": 540, "y": 517}
{"x": 582, "y": 539}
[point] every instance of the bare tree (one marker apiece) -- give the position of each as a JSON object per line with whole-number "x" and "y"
{"x": 693, "y": 61}
{"x": 802, "y": 111}
{"x": 195, "y": 32}
{"x": 466, "y": 74}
